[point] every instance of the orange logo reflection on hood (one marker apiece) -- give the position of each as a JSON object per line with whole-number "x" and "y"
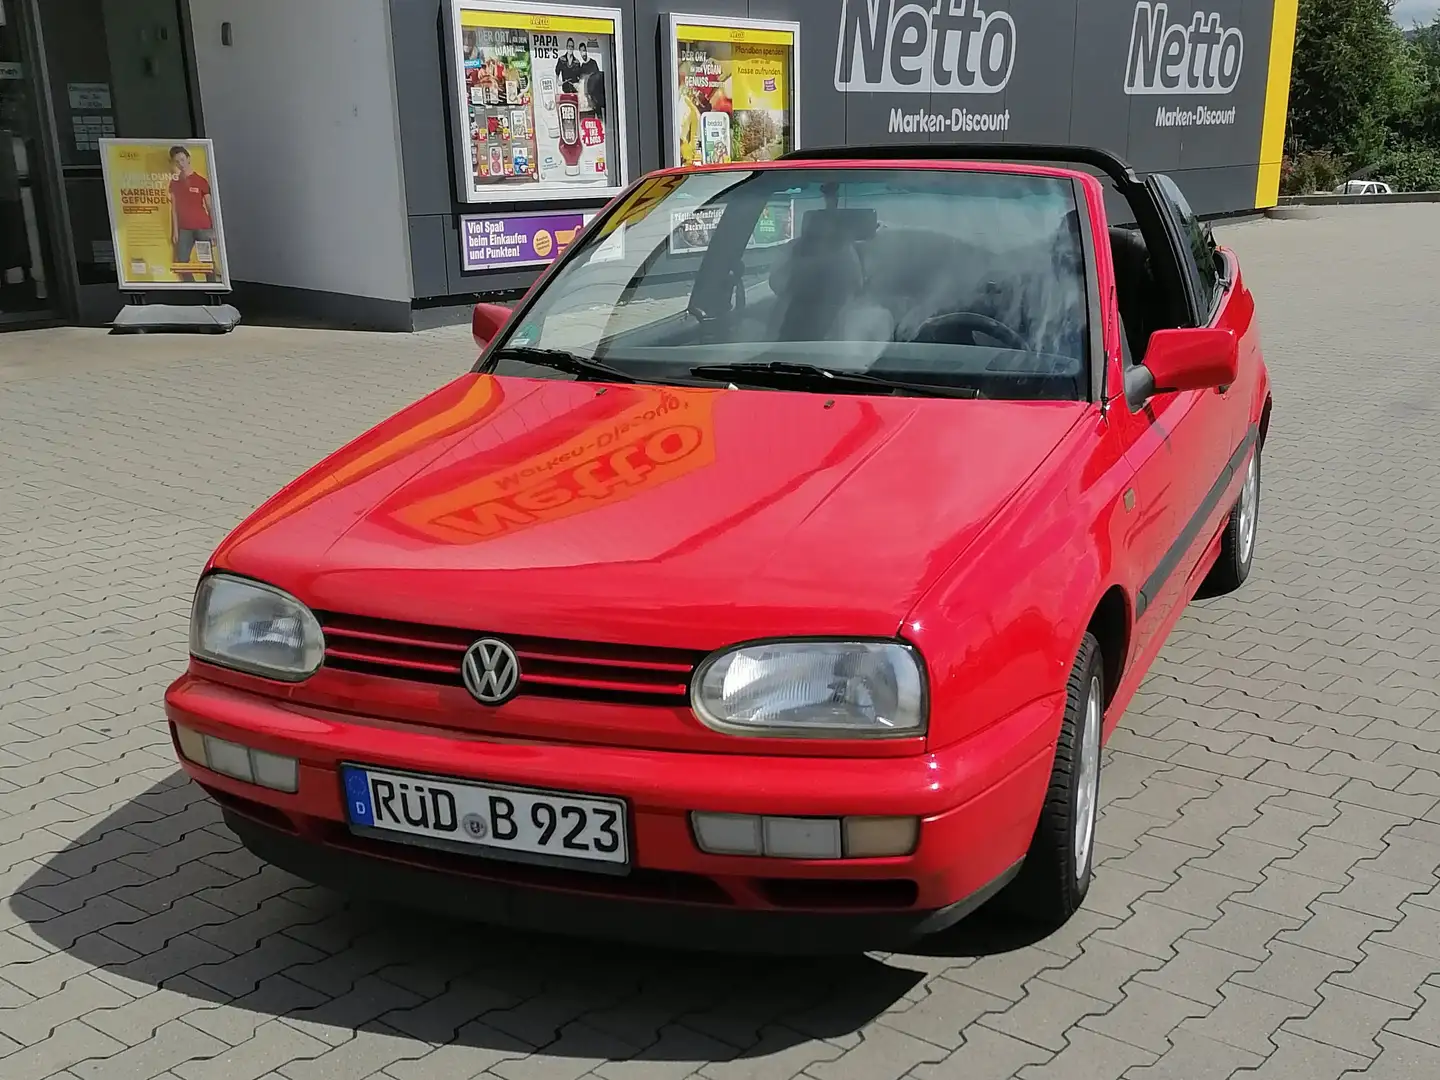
{"x": 662, "y": 436}
{"x": 442, "y": 414}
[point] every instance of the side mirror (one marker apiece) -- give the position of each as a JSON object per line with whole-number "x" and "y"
{"x": 1198, "y": 359}
{"x": 486, "y": 321}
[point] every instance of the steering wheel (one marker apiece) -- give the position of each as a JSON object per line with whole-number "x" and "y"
{"x": 971, "y": 323}
{"x": 711, "y": 323}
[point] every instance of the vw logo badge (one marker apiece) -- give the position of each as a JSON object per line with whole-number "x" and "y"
{"x": 491, "y": 671}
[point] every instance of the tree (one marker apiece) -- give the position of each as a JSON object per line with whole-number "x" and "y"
{"x": 1355, "y": 77}
{"x": 1423, "y": 123}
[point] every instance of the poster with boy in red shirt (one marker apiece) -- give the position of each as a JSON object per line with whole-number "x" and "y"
{"x": 165, "y": 214}
{"x": 192, "y": 224}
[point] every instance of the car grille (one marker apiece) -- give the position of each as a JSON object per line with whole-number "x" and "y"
{"x": 549, "y": 667}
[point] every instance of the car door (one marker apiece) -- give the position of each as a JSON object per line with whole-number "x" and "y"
{"x": 1179, "y": 444}
{"x": 1198, "y": 261}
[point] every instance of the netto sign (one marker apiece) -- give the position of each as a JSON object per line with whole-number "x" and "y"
{"x": 1202, "y": 57}
{"x": 914, "y": 47}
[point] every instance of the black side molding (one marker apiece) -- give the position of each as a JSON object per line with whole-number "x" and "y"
{"x": 1156, "y": 581}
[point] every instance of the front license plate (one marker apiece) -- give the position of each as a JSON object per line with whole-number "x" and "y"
{"x": 519, "y": 823}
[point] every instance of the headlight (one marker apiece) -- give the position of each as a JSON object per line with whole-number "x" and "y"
{"x": 254, "y": 628}
{"x": 820, "y": 689}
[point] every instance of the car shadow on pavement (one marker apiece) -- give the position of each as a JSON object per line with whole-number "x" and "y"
{"x": 160, "y": 895}
{"x": 988, "y": 932}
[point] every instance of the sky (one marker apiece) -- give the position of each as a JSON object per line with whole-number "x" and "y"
{"x": 1408, "y": 12}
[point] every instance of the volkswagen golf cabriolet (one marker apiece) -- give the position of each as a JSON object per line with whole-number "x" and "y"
{"x": 774, "y": 577}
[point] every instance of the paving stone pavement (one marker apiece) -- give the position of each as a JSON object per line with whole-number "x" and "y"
{"x": 1266, "y": 903}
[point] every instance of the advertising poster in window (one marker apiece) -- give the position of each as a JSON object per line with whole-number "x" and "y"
{"x": 540, "y": 101}
{"x": 691, "y": 230}
{"x": 732, "y": 90}
{"x": 164, "y": 203}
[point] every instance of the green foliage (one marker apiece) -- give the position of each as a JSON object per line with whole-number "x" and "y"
{"x": 1364, "y": 98}
{"x": 1411, "y": 167}
{"x": 1354, "y": 77}
{"x": 1310, "y": 171}
{"x": 1426, "y": 43}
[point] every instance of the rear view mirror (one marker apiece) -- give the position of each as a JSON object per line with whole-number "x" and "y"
{"x": 486, "y": 322}
{"x": 1195, "y": 359}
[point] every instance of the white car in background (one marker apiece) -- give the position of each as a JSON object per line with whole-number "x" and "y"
{"x": 1363, "y": 187}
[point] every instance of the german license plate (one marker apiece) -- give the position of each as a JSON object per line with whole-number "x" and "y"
{"x": 526, "y": 824}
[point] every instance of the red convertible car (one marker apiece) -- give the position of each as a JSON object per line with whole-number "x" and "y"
{"x": 774, "y": 577}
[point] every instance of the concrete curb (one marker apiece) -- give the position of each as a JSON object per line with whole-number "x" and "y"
{"x": 1295, "y": 212}
{"x": 1324, "y": 200}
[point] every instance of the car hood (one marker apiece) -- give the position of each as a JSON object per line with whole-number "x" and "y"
{"x": 646, "y": 514}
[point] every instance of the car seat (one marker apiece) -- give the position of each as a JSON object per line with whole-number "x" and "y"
{"x": 1135, "y": 292}
{"x": 820, "y": 282}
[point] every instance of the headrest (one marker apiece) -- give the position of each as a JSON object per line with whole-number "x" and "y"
{"x": 832, "y": 269}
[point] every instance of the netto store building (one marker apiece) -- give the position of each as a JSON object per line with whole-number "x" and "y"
{"x": 385, "y": 162}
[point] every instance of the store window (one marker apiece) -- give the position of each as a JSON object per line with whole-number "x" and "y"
{"x": 731, "y": 88}
{"x": 26, "y": 280}
{"x": 540, "y": 105}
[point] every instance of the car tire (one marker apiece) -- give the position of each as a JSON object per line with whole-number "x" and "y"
{"x": 1056, "y": 873}
{"x": 1237, "y": 544}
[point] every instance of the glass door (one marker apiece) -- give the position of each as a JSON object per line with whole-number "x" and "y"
{"x": 26, "y": 277}
{"x": 116, "y": 68}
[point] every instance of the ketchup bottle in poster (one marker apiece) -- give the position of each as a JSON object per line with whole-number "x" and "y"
{"x": 567, "y": 107}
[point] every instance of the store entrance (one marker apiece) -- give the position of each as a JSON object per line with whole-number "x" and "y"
{"x": 127, "y": 75}
{"x": 26, "y": 279}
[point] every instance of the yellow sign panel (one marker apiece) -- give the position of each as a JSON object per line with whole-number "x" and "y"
{"x": 758, "y": 78}
{"x": 664, "y": 435}
{"x": 540, "y": 24}
{"x": 735, "y": 34}
{"x": 165, "y": 214}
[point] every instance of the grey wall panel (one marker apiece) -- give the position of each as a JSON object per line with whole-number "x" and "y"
{"x": 1099, "y": 108}
{"x": 428, "y": 237}
{"x": 1219, "y": 190}
{"x": 1039, "y": 93}
{"x": 421, "y": 79}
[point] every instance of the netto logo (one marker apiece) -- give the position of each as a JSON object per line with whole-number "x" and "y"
{"x": 914, "y": 47}
{"x": 1173, "y": 58}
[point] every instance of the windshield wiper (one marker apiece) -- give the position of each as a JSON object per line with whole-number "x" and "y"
{"x": 561, "y": 360}
{"x": 779, "y": 371}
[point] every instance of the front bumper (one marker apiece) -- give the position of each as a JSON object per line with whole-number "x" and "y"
{"x": 693, "y": 927}
{"x": 978, "y": 801}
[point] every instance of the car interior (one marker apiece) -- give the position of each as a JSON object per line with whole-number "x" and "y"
{"x": 1136, "y": 293}
{"x": 912, "y": 304}
{"x": 998, "y": 309}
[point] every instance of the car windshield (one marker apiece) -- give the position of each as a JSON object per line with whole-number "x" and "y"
{"x": 961, "y": 283}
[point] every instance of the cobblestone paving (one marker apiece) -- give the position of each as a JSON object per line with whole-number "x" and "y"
{"x": 1267, "y": 901}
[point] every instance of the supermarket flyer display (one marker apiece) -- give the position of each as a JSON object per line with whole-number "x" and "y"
{"x": 733, "y": 92}
{"x": 538, "y": 102}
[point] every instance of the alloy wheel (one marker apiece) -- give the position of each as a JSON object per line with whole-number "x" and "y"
{"x": 1249, "y": 511}
{"x": 1087, "y": 795}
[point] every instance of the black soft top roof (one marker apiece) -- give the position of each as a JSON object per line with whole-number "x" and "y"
{"x": 1103, "y": 160}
